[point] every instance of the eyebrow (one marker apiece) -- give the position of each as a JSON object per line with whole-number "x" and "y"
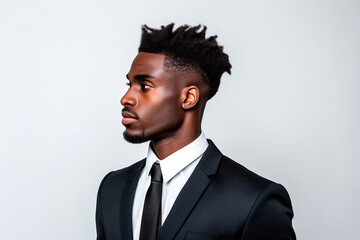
{"x": 141, "y": 76}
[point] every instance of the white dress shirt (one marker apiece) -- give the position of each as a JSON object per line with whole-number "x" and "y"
{"x": 176, "y": 170}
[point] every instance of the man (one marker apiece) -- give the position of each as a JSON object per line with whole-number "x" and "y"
{"x": 185, "y": 188}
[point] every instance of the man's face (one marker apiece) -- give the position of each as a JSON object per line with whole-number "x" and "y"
{"x": 152, "y": 104}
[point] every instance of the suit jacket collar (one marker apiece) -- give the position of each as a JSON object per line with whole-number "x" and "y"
{"x": 210, "y": 161}
{"x": 191, "y": 193}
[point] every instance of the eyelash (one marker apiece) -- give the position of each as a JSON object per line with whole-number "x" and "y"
{"x": 142, "y": 85}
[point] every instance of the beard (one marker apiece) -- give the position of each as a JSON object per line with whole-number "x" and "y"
{"x": 136, "y": 138}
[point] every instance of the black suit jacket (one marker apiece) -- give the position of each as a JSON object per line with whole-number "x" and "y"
{"x": 221, "y": 200}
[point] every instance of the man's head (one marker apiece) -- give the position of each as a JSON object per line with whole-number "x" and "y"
{"x": 171, "y": 79}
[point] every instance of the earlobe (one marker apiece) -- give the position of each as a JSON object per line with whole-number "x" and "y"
{"x": 192, "y": 97}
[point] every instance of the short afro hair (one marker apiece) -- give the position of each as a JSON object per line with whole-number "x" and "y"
{"x": 188, "y": 48}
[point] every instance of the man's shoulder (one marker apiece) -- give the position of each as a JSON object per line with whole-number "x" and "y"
{"x": 233, "y": 180}
{"x": 240, "y": 172}
{"x": 129, "y": 169}
{"x": 118, "y": 176}
{"x": 237, "y": 177}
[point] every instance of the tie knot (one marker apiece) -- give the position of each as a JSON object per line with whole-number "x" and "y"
{"x": 155, "y": 173}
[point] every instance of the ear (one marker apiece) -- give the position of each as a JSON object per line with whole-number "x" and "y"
{"x": 191, "y": 97}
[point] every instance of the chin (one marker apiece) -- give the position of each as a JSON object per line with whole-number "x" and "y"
{"x": 135, "y": 138}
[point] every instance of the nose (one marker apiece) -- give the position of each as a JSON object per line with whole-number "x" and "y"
{"x": 128, "y": 99}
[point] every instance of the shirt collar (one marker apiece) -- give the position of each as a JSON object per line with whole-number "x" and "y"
{"x": 177, "y": 161}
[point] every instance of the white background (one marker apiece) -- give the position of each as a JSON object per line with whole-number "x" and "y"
{"x": 290, "y": 110}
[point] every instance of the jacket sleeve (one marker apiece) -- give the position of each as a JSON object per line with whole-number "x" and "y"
{"x": 100, "y": 230}
{"x": 270, "y": 217}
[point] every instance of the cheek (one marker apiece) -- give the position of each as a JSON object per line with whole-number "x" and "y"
{"x": 163, "y": 109}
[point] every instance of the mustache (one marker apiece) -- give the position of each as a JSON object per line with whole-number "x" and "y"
{"x": 128, "y": 110}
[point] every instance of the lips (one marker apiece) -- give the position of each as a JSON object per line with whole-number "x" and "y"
{"x": 126, "y": 114}
{"x": 128, "y": 117}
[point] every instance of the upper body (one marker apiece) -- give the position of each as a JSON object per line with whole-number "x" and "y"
{"x": 205, "y": 195}
{"x": 220, "y": 200}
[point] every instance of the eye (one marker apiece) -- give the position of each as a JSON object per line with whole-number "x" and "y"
{"x": 128, "y": 84}
{"x": 145, "y": 86}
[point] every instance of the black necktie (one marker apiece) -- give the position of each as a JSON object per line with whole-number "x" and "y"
{"x": 151, "y": 218}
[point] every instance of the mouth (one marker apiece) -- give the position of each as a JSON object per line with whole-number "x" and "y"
{"x": 128, "y": 117}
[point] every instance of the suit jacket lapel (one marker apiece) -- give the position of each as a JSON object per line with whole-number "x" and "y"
{"x": 191, "y": 192}
{"x": 127, "y": 202}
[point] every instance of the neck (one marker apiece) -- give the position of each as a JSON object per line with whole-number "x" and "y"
{"x": 167, "y": 146}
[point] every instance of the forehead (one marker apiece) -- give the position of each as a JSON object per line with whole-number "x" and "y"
{"x": 147, "y": 63}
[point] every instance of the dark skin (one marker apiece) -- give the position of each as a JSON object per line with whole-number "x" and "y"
{"x": 163, "y": 106}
